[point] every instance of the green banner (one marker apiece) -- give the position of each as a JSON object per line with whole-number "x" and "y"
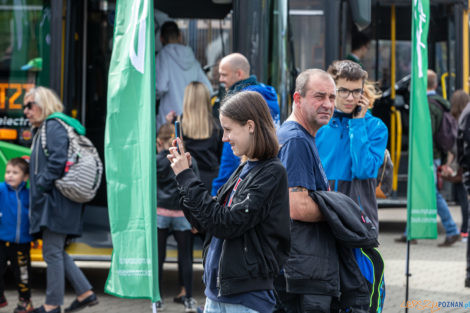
{"x": 130, "y": 153}
{"x": 422, "y": 221}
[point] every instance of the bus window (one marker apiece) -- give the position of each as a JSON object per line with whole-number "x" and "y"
{"x": 210, "y": 40}
{"x": 309, "y": 46}
{"x": 24, "y": 60}
{"x": 403, "y": 57}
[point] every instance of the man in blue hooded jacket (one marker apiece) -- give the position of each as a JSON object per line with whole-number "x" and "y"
{"x": 234, "y": 72}
{"x": 352, "y": 145}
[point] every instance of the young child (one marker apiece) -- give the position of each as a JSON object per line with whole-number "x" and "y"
{"x": 171, "y": 219}
{"x": 15, "y": 241}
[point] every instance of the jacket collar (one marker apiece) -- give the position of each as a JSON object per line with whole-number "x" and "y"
{"x": 342, "y": 115}
{"x": 242, "y": 84}
{"x": 228, "y": 186}
{"x": 20, "y": 187}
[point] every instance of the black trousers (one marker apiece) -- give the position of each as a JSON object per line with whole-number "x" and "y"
{"x": 20, "y": 260}
{"x": 184, "y": 240}
{"x": 299, "y": 303}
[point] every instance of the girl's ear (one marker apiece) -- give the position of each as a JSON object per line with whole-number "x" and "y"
{"x": 251, "y": 126}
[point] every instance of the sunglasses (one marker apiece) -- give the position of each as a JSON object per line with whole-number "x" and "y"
{"x": 28, "y": 105}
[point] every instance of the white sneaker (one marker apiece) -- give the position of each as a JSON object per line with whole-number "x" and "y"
{"x": 159, "y": 305}
{"x": 190, "y": 305}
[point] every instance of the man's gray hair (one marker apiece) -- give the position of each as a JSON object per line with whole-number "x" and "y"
{"x": 302, "y": 80}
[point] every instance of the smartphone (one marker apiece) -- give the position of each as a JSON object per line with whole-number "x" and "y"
{"x": 178, "y": 133}
{"x": 357, "y": 110}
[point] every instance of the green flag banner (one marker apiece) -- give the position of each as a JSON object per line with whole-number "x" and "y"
{"x": 421, "y": 183}
{"x": 130, "y": 153}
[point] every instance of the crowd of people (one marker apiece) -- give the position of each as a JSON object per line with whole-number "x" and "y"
{"x": 331, "y": 142}
{"x": 285, "y": 211}
{"x": 41, "y": 211}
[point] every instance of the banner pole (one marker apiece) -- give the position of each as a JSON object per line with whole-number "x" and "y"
{"x": 407, "y": 273}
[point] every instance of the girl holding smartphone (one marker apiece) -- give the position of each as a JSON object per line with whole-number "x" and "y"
{"x": 248, "y": 222}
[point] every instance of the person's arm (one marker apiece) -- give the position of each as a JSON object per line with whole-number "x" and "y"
{"x": 250, "y": 205}
{"x": 162, "y": 81}
{"x": 368, "y": 141}
{"x": 297, "y": 156}
{"x": 57, "y": 144}
{"x": 302, "y": 207}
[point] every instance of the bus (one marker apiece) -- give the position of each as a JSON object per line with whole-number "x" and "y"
{"x": 66, "y": 45}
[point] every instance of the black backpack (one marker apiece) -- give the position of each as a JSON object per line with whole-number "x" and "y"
{"x": 446, "y": 133}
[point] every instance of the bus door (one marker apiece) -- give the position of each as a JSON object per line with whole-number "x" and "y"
{"x": 24, "y": 62}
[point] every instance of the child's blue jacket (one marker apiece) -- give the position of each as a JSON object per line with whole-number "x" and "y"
{"x": 14, "y": 207}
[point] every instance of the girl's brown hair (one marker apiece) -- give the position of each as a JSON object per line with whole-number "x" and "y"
{"x": 458, "y": 102}
{"x": 250, "y": 105}
{"x": 166, "y": 133}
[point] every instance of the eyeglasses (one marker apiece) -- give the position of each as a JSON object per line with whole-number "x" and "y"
{"x": 28, "y": 105}
{"x": 344, "y": 92}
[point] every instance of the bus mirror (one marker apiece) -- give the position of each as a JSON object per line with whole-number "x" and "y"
{"x": 361, "y": 13}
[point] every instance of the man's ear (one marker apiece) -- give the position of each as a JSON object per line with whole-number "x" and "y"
{"x": 297, "y": 97}
{"x": 240, "y": 74}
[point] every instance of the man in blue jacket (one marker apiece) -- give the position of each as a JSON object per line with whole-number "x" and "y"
{"x": 352, "y": 145}
{"x": 234, "y": 72}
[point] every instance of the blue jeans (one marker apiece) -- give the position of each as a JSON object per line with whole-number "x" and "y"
{"x": 446, "y": 217}
{"x": 173, "y": 223}
{"x": 443, "y": 209}
{"x": 220, "y": 307}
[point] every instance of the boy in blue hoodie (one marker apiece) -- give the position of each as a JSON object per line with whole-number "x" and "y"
{"x": 15, "y": 241}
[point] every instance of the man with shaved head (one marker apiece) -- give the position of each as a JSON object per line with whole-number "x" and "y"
{"x": 234, "y": 69}
{"x": 234, "y": 73}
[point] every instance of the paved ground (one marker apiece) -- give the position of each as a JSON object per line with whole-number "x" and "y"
{"x": 437, "y": 275}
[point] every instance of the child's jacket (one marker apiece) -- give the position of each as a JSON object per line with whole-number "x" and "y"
{"x": 14, "y": 207}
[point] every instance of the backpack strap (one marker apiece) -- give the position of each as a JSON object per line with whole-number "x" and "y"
{"x": 43, "y": 132}
{"x": 43, "y": 138}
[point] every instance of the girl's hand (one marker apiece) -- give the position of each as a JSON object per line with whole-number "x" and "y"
{"x": 179, "y": 160}
{"x": 171, "y": 117}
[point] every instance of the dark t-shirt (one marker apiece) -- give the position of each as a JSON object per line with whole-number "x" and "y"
{"x": 299, "y": 155}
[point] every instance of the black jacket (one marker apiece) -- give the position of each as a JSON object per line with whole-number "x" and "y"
{"x": 49, "y": 208}
{"x": 351, "y": 228}
{"x": 463, "y": 146}
{"x": 312, "y": 267}
{"x": 321, "y": 256}
{"x": 167, "y": 188}
{"x": 255, "y": 228}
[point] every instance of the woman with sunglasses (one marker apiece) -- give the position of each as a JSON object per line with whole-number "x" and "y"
{"x": 248, "y": 222}
{"x": 54, "y": 218}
